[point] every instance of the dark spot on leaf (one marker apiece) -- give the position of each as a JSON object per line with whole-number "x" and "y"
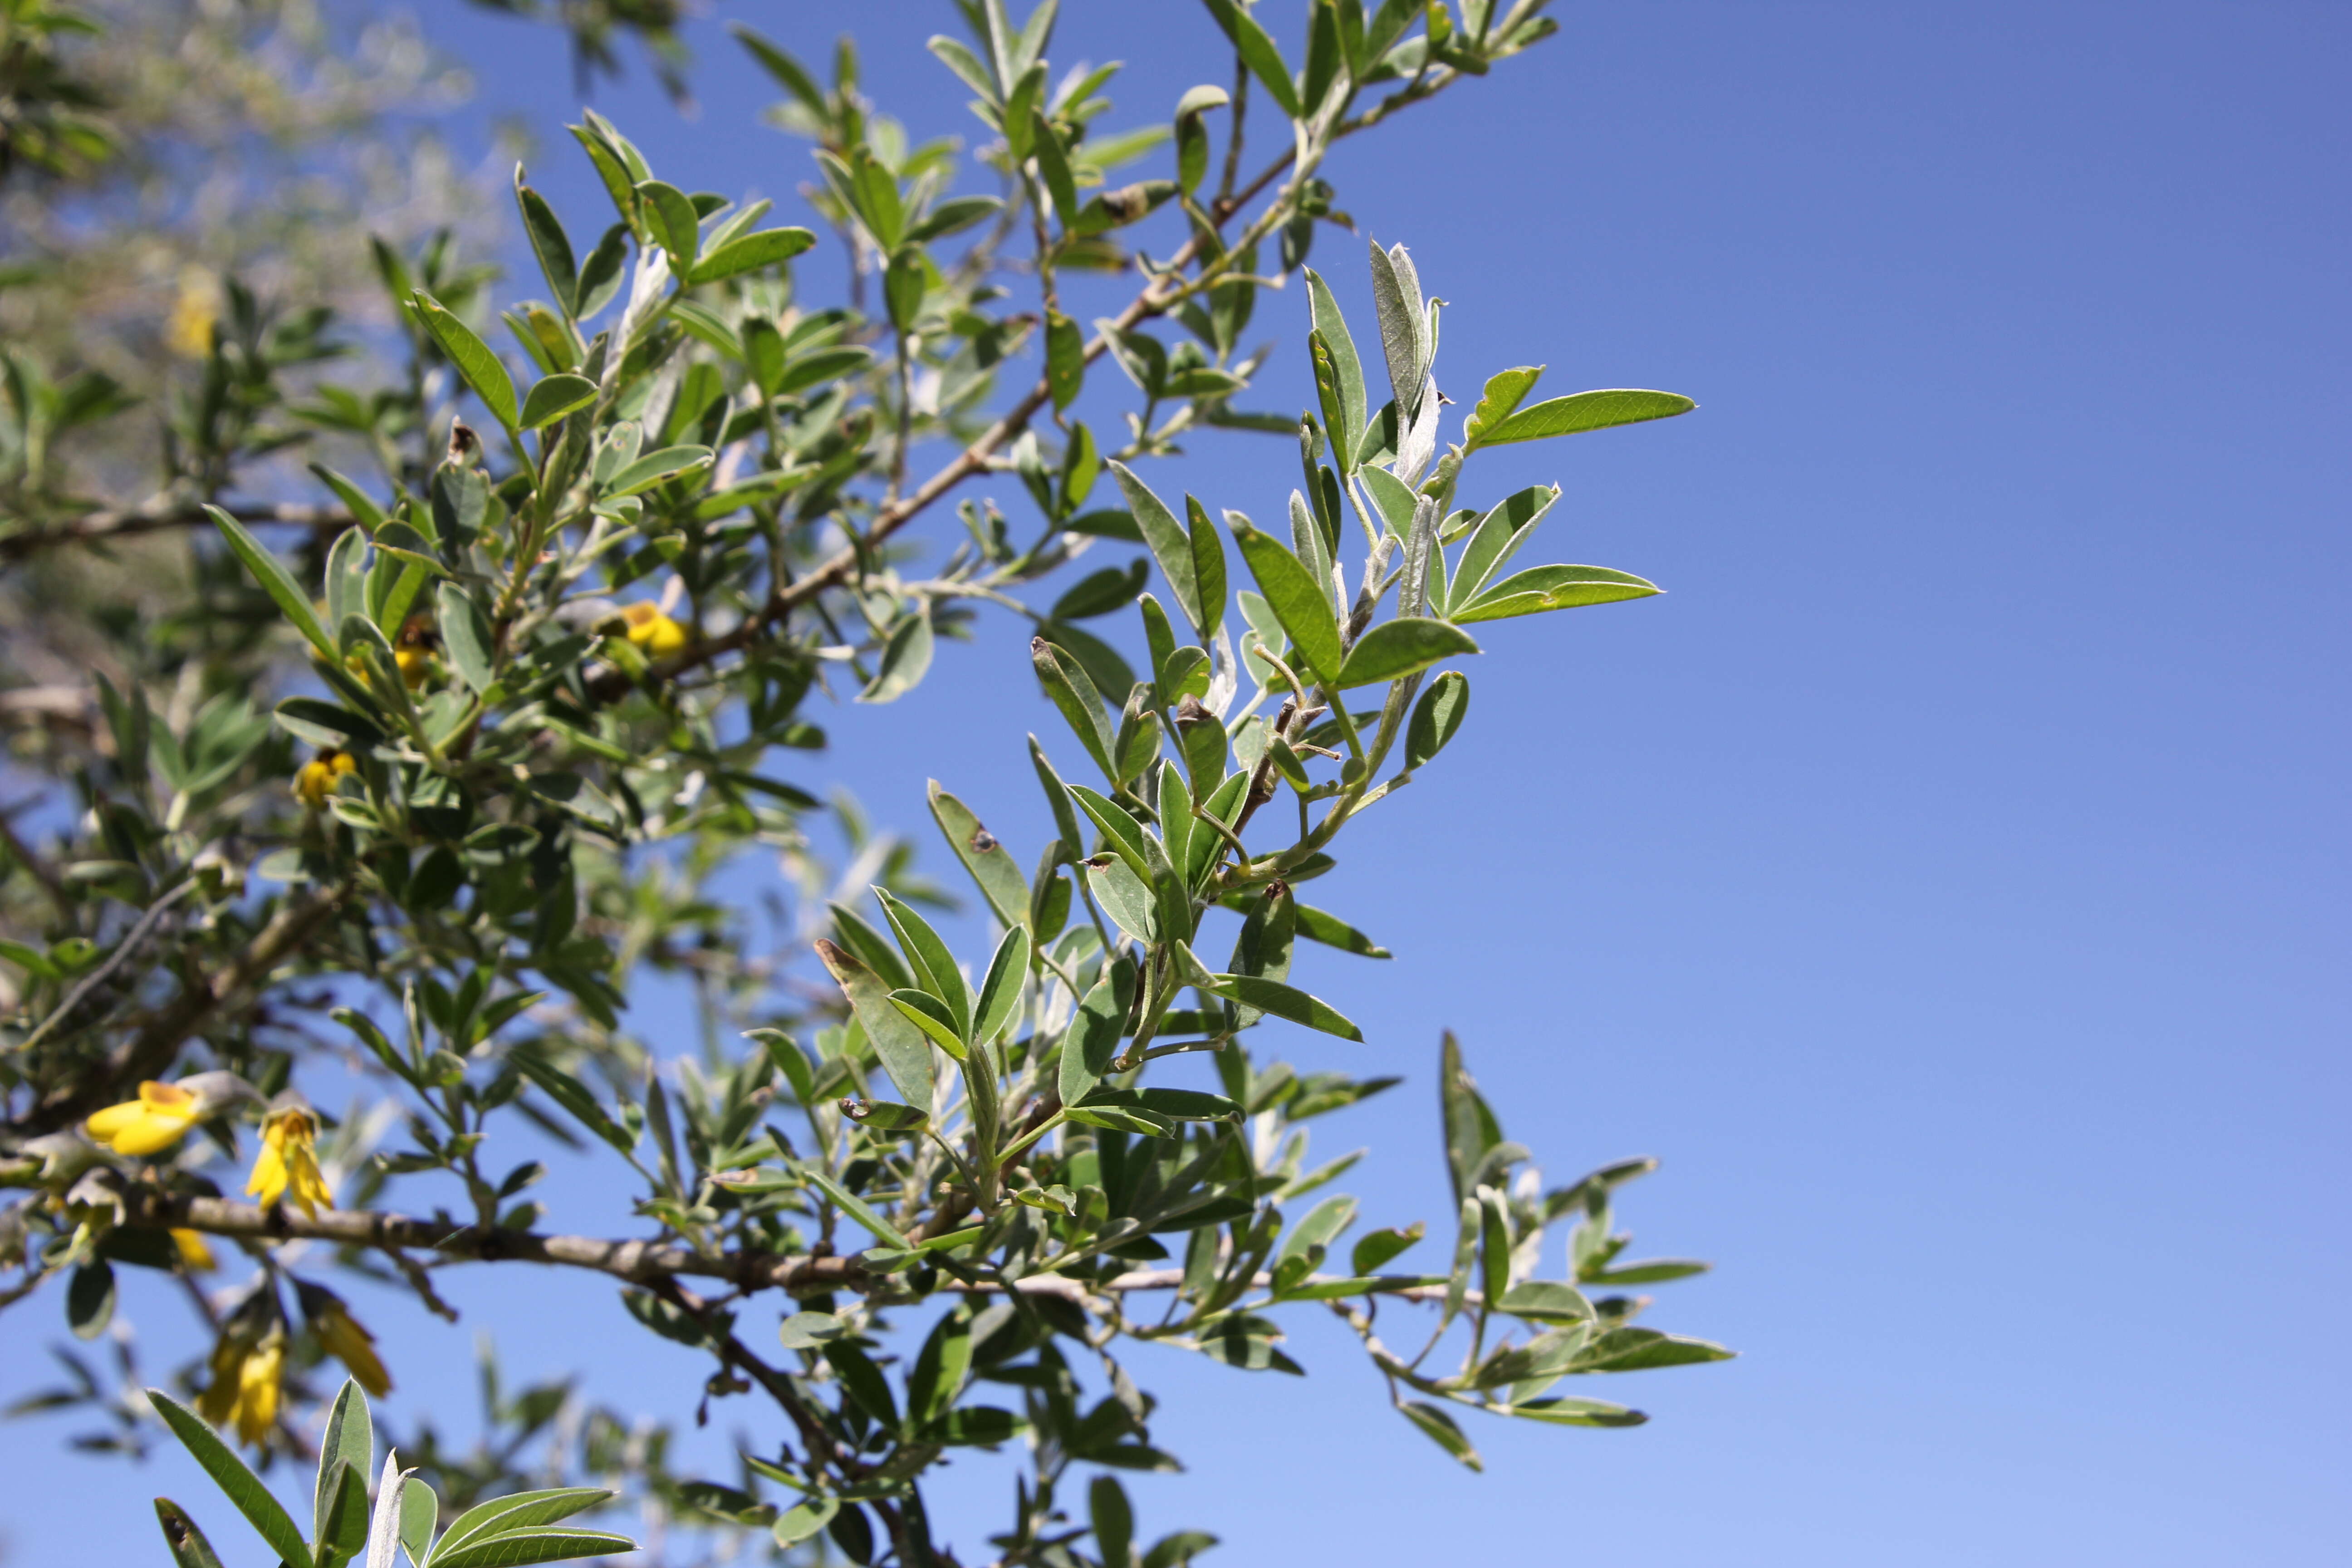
{"x": 982, "y": 841}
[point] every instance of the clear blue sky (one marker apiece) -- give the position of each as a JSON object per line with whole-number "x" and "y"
{"x": 1947, "y": 879}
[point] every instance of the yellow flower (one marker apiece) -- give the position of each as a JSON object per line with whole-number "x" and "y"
{"x": 341, "y": 1336}
{"x": 244, "y": 1387}
{"x": 195, "y": 1256}
{"x": 653, "y": 631}
{"x": 189, "y": 330}
{"x": 316, "y": 780}
{"x": 150, "y": 1124}
{"x": 414, "y": 653}
{"x": 289, "y": 1163}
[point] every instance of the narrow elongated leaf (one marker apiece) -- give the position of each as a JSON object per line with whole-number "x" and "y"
{"x": 241, "y": 1486}
{"x": 342, "y": 1521}
{"x": 1637, "y": 1350}
{"x": 1583, "y": 411}
{"x": 906, "y": 657}
{"x": 1393, "y": 498}
{"x": 189, "y": 1547}
{"x": 512, "y": 1548}
{"x": 572, "y": 1095}
{"x": 1441, "y": 1430}
{"x": 350, "y": 1438}
{"x": 1498, "y": 536}
{"x": 1505, "y": 390}
{"x": 933, "y": 961}
{"x": 1402, "y": 647}
{"x": 1169, "y": 542}
{"x": 750, "y": 252}
{"x": 905, "y": 1050}
{"x": 553, "y": 396}
{"x": 1092, "y": 1036}
{"x": 1348, "y": 369}
{"x": 853, "y": 1206}
{"x": 1565, "y": 1412}
{"x": 1208, "y": 569}
{"x": 1302, "y": 606}
{"x": 474, "y": 361}
{"x": 1396, "y": 301}
{"x": 1065, "y": 359}
{"x": 1257, "y": 50}
{"x": 1000, "y": 993}
{"x": 1436, "y": 717}
{"x": 1541, "y": 588}
{"x": 275, "y": 580}
{"x": 1283, "y": 1002}
{"x": 1470, "y": 1127}
{"x": 1066, "y": 682}
{"x": 990, "y": 863}
{"x": 549, "y": 244}
{"x": 654, "y": 468}
{"x": 1317, "y": 925}
{"x": 930, "y": 1014}
{"x": 1054, "y": 168}
{"x": 420, "y": 1512}
{"x": 466, "y": 636}
{"x": 519, "y": 1510}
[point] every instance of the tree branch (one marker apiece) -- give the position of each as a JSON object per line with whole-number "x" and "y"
{"x": 106, "y": 527}
{"x": 638, "y": 1262}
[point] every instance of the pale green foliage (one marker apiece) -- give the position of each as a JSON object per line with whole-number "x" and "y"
{"x": 462, "y": 755}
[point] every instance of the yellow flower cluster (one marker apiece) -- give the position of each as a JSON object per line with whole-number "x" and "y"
{"x": 150, "y": 1124}
{"x": 653, "y": 631}
{"x": 245, "y": 1383}
{"x": 341, "y": 1336}
{"x": 316, "y": 781}
{"x": 289, "y": 1162}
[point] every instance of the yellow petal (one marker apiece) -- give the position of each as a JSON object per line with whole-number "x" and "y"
{"x": 194, "y": 1254}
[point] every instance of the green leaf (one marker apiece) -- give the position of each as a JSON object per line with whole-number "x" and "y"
{"x": 1436, "y": 717}
{"x": 653, "y": 468}
{"x": 1258, "y": 52}
{"x": 474, "y": 361}
{"x": 549, "y": 244}
{"x": 1170, "y": 543}
{"x": 363, "y": 509}
{"x": 420, "y": 1511}
{"x": 1065, "y": 359}
{"x": 601, "y": 274}
{"x": 1564, "y": 1412}
{"x": 1394, "y": 499}
{"x": 1405, "y": 646}
{"x": 1504, "y": 389}
{"x": 1000, "y": 993}
{"x": 1283, "y": 1002}
{"x": 241, "y": 1486}
{"x": 1542, "y": 588}
{"x": 509, "y": 1549}
{"x": 570, "y": 1093}
{"x": 1082, "y": 706}
{"x": 189, "y": 1547}
{"x": 906, "y": 657}
{"x": 1544, "y": 1301}
{"x": 930, "y": 1014}
{"x": 750, "y": 252}
{"x": 1053, "y": 168}
{"x": 862, "y": 1380}
{"x": 342, "y": 1515}
{"x": 551, "y": 397}
{"x": 905, "y": 1050}
{"x": 802, "y": 1521}
{"x": 1113, "y": 1519}
{"x": 1404, "y": 328}
{"x": 90, "y": 1300}
{"x": 350, "y": 1439}
{"x": 1647, "y": 1271}
{"x": 1092, "y": 1039}
{"x": 934, "y": 963}
{"x": 1348, "y": 370}
{"x": 1638, "y": 1350}
{"x": 466, "y": 636}
{"x": 990, "y": 863}
{"x": 940, "y": 1370}
{"x": 1470, "y": 1127}
{"x": 1302, "y": 606}
{"x": 1374, "y": 1252}
{"x": 677, "y": 228}
{"x": 1208, "y": 569}
{"x": 1441, "y": 1430}
{"x": 1579, "y": 412}
{"x": 275, "y": 581}
{"x": 1333, "y": 932}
